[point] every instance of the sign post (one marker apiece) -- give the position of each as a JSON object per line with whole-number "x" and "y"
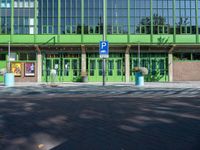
{"x": 103, "y": 45}
{"x": 104, "y": 53}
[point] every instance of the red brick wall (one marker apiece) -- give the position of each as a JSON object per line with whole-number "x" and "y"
{"x": 23, "y": 78}
{"x": 186, "y": 71}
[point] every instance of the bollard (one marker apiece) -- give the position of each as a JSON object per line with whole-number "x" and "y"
{"x": 9, "y": 79}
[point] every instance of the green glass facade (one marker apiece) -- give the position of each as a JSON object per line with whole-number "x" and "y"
{"x": 65, "y": 29}
{"x": 126, "y": 17}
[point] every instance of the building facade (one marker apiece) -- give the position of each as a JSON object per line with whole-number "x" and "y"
{"x": 64, "y": 35}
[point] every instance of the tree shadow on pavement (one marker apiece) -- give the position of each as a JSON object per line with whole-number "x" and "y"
{"x": 99, "y": 123}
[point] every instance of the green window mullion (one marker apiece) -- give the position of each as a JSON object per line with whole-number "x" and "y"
{"x": 151, "y": 13}
{"x": 65, "y": 18}
{"x": 52, "y": 17}
{"x": 35, "y": 17}
{"x": 129, "y": 21}
{"x": 82, "y": 19}
{"x": 47, "y": 28}
{"x": 71, "y": 16}
{"x": 93, "y": 17}
{"x": 41, "y": 15}
{"x": 174, "y": 19}
{"x": 197, "y": 23}
{"x": 0, "y": 20}
{"x": 59, "y": 16}
{"x": 77, "y": 17}
{"x": 12, "y": 16}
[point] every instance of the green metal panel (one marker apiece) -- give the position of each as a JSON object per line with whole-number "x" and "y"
{"x": 163, "y": 39}
{"x": 4, "y": 39}
{"x": 117, "y": 38}
{"x": 70, "y": 39}
{"x": 199, "y": 39}
{"x": 92, "y": 38}
{"x": 141, "y": 38}
{"x": 46, "y": 39}
{"x": 23, "y": 39}
{"x": 185, "y": 39}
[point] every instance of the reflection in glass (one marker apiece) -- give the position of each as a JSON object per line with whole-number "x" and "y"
{"x": 92, "y": 67}
{"x": 110, "y": 67}
{"x": 66, "y": 67}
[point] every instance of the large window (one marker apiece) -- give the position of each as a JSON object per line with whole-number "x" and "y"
{"x": 162, "y": 16}
{"x": 70, "y": 16}
{"x": 185, "y": 17}
{"x": 140, "y": 21}
{"x": 48, "y": 17}
{"x": 24, "y": 17}
{"x": 117, "y": 16}
{"x": 93, "y": 16}
{"x": 5, "y": 16}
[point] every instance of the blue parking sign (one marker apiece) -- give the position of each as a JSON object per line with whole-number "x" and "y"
{"x": 103, "y": 49}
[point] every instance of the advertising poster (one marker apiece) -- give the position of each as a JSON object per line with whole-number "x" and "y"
{"x": 29, "y": 69}
{"x": 16, "y": 68}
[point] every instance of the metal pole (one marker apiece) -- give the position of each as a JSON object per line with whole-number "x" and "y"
{"x": 9, "y": 56}
{"x": 104, "y": 39}
{"x": 139, "y": 55}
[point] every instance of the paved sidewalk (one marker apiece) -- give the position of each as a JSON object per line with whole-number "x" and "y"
{"x": 188, "y": 84}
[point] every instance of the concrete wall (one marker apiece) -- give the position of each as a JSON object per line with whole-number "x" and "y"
{"x": 186, "y": 71}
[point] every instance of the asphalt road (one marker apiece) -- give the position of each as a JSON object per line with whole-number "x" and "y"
{"x": 99, "y": 118}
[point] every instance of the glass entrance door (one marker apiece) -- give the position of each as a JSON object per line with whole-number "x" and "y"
{"x": 71, "y": 69}
{"x": 156, "y": 65}
{"x": 114, "y": 70}
{"x": 53, "y": 64}
{"x": 66, "y": 66}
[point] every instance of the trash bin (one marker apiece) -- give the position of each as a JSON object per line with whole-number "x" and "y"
{"x": 139, "y": 79}
{"x": 9, "y": 79}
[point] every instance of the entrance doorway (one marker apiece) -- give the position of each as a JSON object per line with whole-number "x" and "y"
{"x": 67, "y": 68}
{"x": 114, "y": 69}
{"x": 156, "y": 63}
